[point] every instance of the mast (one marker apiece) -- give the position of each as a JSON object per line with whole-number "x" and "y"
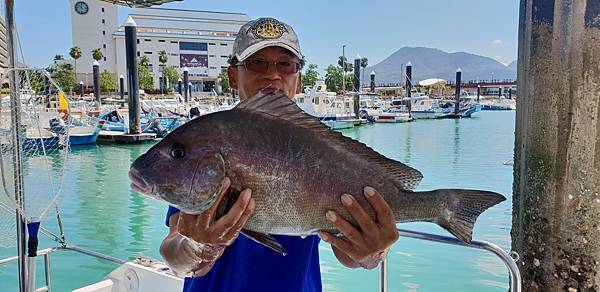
{"x": 16, "y": 138}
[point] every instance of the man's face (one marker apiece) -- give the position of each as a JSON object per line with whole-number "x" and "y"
{"x": 249, "y": 83}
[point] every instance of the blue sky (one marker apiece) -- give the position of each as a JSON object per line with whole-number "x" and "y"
{"x": 374, "y": 29}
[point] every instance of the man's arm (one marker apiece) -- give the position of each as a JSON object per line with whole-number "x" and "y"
{"x": 195, "y": 242}
{"x": 367, "y": 245}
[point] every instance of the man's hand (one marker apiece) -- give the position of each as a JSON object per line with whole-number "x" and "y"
{"x": 204, "y": 237}
{"x": 367, "y": 245}
{"x": 206, "y": 229}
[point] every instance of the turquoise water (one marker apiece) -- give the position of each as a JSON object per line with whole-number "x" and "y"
{"x": 101, "y": 213}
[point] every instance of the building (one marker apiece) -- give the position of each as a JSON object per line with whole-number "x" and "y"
{"x": 199, "y": 40}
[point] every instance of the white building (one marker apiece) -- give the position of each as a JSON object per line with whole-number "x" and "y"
{"x": 199, "y": 40}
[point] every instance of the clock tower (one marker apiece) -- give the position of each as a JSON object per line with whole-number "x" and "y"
{"x": 93, "y": 23}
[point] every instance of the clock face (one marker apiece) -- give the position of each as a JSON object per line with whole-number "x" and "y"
{"x": 81, "y": 7}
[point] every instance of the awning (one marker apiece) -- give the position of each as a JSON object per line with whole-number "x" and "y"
{"x": 138, "y": 3}
{"x": 432, "y": 81}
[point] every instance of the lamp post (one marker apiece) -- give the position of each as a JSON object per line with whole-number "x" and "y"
{"x": 343, "y": 68}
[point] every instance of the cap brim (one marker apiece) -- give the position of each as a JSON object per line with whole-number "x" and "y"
{"x": 264, "y": 44}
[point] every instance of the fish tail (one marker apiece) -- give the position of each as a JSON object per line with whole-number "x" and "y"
{"x": 460, "y": 208}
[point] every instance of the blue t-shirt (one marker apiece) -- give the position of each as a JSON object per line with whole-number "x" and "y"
{"x": 248, "y": 266}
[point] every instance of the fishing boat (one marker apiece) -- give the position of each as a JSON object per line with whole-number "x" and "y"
{"x": 333, "y": 111}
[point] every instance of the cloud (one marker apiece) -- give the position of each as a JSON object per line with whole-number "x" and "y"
{"x": 497, "y": 42}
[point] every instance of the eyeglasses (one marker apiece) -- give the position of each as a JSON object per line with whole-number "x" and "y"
{"x": 260, "y": 66}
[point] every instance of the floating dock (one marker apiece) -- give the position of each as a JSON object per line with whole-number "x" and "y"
{"x": 124, "y": 138}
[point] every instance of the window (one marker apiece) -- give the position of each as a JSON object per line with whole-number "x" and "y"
{"x": 161, "y": 68}
{"x": 104, "y": 46}
{"x": 138, "y": 41}
{"x": 161, "y": 41}
{"x": 185, "y": 46}
{"x": 104, "y": 32}
{"x": 211, "y": 56}
{"x": 174, "y": 42}
{"x": 104, "y": 59}
{"x": 150, "y": 68}
{"x": 138, "y": 53}
{"x": 103, "y": 21}
{"x": 213, "y": 67}
{"x": 224, "y": 45}
{"x": 147, "y": 40}
{"x": 102, "y": 9}
{"x": 223, "y": 56}
{"x": 212, "y": 44}
{"x": 224, "y": 67}
{"x": 148, "y": 53}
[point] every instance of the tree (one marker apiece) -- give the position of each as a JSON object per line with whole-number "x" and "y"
{"x": 163, "y": 57}
{"x": 333, "y": 78}
{"x": 75, "y": 53}
{"x": 171, "y": 74}
{"x": 64, "y": 76}
{"x": 144, "y": 76}
{"x": 97, "y": 54}
{"x": 224, "y": 81}
{"x": 108, "y": 82}
{"x": 310, "y": 76}
{"x": 59, "y": 57}
{"x": 144, "y": 61}
{"x": 364, "y": 62}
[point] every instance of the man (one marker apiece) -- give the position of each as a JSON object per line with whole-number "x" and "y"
{"x": 266, "y": 58}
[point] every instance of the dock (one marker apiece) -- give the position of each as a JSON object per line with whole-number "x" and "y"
{"x": 124, "y": 138}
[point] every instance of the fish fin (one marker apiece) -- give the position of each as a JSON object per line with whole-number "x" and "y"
{"x": 278, "y": 105}
{"x": 460, "y": 209}
{"x": 265, "y": 240}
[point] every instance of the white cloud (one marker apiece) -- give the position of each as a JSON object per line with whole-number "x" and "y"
{"x": 497, "y": 42}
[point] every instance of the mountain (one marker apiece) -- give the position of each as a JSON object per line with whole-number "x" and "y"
{"x": 433, "y": 63}
{"x": 513, "y": 65}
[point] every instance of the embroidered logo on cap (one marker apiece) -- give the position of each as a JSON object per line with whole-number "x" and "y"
{"x": 268, "y": 28}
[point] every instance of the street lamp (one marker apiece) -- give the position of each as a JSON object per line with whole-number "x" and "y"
{"x": 343, "y": 68}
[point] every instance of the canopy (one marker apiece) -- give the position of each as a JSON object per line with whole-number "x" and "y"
{"x": 139, "y": 3}
{"x": 432, "y": 81}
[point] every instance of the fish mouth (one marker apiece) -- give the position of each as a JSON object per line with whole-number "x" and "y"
{"x": 268, "y": 89}
{"x": 138, "y": 184}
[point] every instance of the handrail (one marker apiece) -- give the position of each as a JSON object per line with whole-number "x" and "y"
{"x": 513, "y": 269}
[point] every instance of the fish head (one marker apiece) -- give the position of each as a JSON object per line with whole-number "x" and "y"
{"x": 182, "y": 169}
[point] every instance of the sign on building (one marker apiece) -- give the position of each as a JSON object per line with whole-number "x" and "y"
{"x": 194, "y": 56}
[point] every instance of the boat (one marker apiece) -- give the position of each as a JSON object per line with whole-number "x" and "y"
{"x": 498, "y": 104}
{"x": 333, "y": 111}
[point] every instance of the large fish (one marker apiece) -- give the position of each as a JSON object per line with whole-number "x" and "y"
{"x": 297, "y": 169}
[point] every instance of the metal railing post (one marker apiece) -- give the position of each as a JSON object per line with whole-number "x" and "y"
{"x": 383, "y": 283}
{"x": 47, "y": 272}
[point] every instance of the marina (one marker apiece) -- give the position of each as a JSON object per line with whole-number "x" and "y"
{"x": 158, "y": 100}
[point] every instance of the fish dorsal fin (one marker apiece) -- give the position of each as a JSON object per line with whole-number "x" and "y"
{"x": 278, "y": 105}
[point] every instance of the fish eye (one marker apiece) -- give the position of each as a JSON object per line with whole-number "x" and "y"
{"x": 177, "y": 151}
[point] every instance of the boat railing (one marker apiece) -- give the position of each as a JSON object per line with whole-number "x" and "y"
{"x": 46, "y": 254}
{"x": 507, "y": 260}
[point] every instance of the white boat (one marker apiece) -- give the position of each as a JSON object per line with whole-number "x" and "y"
{"x": 496, "y": 104}
{"x": 333, "y": 111}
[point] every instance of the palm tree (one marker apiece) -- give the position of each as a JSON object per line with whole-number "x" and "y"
{"x": 163, "y": 57}
{"x": 97, "y": 54}
{"x": 75, "y": 53}
{"x": 364, "y": 62}
{"x": 144, "y": 61}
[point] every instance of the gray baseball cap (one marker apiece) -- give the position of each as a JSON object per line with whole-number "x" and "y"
{"x": 264, "y": 32}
